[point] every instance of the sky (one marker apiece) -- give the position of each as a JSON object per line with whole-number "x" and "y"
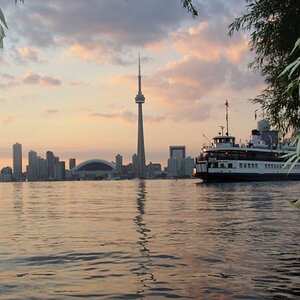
{"x": 68, "y": 77}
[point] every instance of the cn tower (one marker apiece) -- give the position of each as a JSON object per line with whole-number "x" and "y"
{"x": 139, "y": 100}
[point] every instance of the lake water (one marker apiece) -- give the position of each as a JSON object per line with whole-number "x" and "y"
{"x": 150, "y": 240}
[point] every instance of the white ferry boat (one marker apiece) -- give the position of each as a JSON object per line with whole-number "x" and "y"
{"x": 225, "y": 161}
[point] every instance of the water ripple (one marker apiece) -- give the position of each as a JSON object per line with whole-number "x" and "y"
{"x": 149, "y": 240}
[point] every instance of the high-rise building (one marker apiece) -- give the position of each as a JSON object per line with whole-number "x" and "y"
{"x": 139, "y": 100}
{"x": 119, "y": 163}
{"x": 32, "y": 168}
{"x": 188, "y": 167}
{"x": 41, "y": 168}
{"x": 177, "y": 151}
{"x": 17, "y": 161}
{"x": 263, "y": 125}
{"x": 50, "y": 164}
{"x": 175, "y": 162}
{"x": 174, "y": 167}
{"x": 59, "y": 170}
{"x": 72, "y": 163}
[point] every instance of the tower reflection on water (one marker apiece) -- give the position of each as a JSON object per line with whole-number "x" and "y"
{"x": 143, "y": 271}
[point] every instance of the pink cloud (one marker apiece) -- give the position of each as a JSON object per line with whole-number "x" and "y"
{"x": 28, "y": 53}
{"x": 127, "y": 116}
{"x": 97, "y": 52}
{"x": 37, "y": 79}
{"x": 209, "y": 41}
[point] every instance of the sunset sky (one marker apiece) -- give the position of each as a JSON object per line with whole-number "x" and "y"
{"x": 68, "y": 77}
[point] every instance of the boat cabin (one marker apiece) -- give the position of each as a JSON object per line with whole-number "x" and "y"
{"x": 223, "y": 141}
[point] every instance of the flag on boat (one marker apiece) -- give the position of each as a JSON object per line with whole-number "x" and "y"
{"x": 226, "y": 103}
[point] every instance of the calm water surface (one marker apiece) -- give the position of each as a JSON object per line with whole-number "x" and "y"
{"x": 149, "y": 240}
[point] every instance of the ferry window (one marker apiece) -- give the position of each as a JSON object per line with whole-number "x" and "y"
{"x": 248, "y": 165}
{"x": 222, "y": 166}
{"x": 229, "y": 165}
{"x": 256, "y": 166}
{"x": 252, "y": 165}
{"x": 241, "y": 165}
{"x": 245, "y": 165}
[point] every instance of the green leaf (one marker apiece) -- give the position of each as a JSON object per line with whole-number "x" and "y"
{"x": 297, "y": 44}
{"x": 2, "y": 19}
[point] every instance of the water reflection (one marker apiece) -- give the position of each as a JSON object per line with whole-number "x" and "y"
{"x": 143, "y": 271}
{"x": 18, "y": 195}
{"x": 149, "y": 240}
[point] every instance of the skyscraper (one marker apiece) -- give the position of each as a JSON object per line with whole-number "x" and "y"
{"x": 263, "y": 125}
{"x": 119, "y": 163}
{"x": 50, "y": 164}
{"x": 177, "y": 151}
{"x": 32, "y": 168}
{"x": 72, "y": 163}
{"x": 17, "y": 161}
{"x": 139, "y": 100}
{"x": 177, "y": 155}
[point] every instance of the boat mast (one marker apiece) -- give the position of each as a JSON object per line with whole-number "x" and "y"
{"x": 226, "y": 104}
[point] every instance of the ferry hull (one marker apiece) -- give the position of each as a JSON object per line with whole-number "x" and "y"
{"x": 241, "y": 177}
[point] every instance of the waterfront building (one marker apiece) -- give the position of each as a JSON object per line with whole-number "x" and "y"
{"x": 94, "y": 169}
{"x": 50, "y": 164}
{"x": 6, "y": 174}
{"x": 31, "y": 169}
{"x": 177, "y": 155}
{"x": 119, "y": 163}
{"x": 154, "y": 170}
{"x": 139, "y": 100}
{"x": 174, "y": 165}
{"x": 59, "y": 170}
{"x": 17, "y": 162}
{"x": 38, "y": 168}
{"x": 177, "y": 151}
{"x": 187, "y": 167}
{"x": 42, "y": 168}
{"x": 72, "y": 163}
{"x": 127, "y": 171}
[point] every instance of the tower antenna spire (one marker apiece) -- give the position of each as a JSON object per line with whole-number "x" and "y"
{"x": 140, "y": 76}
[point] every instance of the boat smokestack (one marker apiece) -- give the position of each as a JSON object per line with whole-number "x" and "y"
{"x": 255, "y": 136}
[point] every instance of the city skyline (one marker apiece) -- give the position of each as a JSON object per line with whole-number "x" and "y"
{"x": 17, "y": 152}
{"x": 67, "y": 85}
{"x": 52, "y": 168}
